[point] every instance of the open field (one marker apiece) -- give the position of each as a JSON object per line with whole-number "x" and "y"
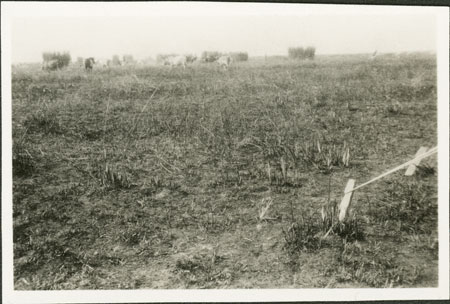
{"x": 151, "y": 177}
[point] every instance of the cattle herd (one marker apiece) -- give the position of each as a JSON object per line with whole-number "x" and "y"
{"x": 172, "y": 61}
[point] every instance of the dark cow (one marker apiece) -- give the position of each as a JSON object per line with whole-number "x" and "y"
{"x": 191, "y": 58}
{"x": 174, "y": 61}
{"x": 225, "y": 61}
{"x": 89, "y": 63}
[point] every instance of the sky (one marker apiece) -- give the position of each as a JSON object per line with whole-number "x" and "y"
{"x": 153, "y": 32}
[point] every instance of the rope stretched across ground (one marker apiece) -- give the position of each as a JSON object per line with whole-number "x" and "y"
{"x": 412, "y": 161}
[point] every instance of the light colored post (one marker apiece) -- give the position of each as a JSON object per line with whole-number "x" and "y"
{"x": 269, "y": 173}
{"x": 345, "y": 203}
{"x": 412, "y": 168}
{"x": 350, "y": 188}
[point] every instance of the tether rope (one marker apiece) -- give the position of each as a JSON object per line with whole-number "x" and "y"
{"x": 412, "y": 161}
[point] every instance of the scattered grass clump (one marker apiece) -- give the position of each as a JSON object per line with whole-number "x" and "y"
{"x": 23, "y": 161}
{"x": 111, "y": 178}
{"x": 349, "y": 230}
{"x": 407, "y": 204}
{"x": 42, "y": 93}
{"x": 202, "y": 270}
{"x": 425, "y": 170}
{"x": 303, "y": 236}
{"x": 371, "y": 264}
{"x": 154, "y": 184}
{"x": 42, "y": 121}
{"x": 394, "y": 108}
{"x": 323, "y": 156}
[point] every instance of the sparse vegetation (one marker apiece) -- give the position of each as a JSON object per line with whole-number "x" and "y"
{"x": 407, "y": 206}
{"x": 146, "y": 177}
{"x": 128, "y": 59}
{"x": 23, "y": 162}
{"x": 371, "y": 265}
{"x": 161, "y": 58}
{"x": 191, "y": 58}
{"x": 302, "y": 53}
{"x": 45, "y": 122}
{"x": 116, "y": 60}
{"x": 203, "y": 270}
{"x": 112, "y": 179}
{"x": 303, "y": 235}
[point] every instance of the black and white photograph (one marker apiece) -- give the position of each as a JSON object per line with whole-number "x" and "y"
{"x": 192, "y": 151}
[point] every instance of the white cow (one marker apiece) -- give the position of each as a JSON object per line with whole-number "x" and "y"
{"x": 176, "y": 61}
{"x": 101, "y": 63}
{"x": 50, "y": 65}
{"x": 225, "y": 61}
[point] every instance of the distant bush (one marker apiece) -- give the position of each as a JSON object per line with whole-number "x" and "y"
{"x": 55, "y": 60}
{"x": 116, "y": 60}
{"x": 148, "y": 60}
{"x": 240, "y": 56}
{"x": 191, "y": 58}
{"x": 161, "y": 58}
{"x": 128, "y": 59}
{"x": 310, "y": 52}
{"x": 208, "y": 56}
{"x": 302, "y": 53}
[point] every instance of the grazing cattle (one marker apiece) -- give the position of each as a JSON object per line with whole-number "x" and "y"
{"x": 176, "y": 61}
{"x": 210, "y": 56}
{"x": 225, "y": 61}
{"x": 89, "y": 63}
{"x": 191, "y": 58}
{"x": 50, "y": 65}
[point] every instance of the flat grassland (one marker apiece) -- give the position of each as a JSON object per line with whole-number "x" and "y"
{"x": 151, "y": 177}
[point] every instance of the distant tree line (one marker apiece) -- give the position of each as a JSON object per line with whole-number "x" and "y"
{"x": 56, "y": 60}
{"x": 210, "y": 56}
{"x": 239, "y": 56}
{"x": 128, "y": 59}
{"x": 302, "y": 53}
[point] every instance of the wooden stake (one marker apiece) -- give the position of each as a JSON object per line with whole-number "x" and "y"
{"x": 350, "y": 188}
{"x": 412, "y": 161}
{"x": 283, "y": 168}
{"x": 412, "y": 167}
{"x": 345, "y": 203}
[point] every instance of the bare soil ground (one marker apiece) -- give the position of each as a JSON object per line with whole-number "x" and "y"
{"x": 150, "y": 177}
